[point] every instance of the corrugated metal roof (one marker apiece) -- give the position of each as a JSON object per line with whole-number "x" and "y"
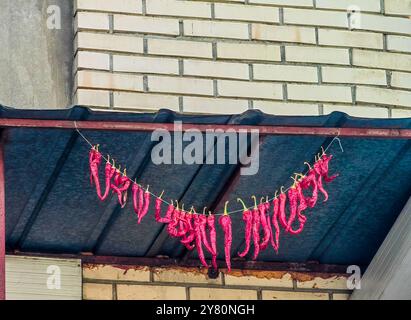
{"x": 52, "y": 208}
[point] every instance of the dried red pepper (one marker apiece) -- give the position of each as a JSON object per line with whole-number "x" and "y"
{"x": 225, "y": 222}
{"x": 203, "y": 226}
{"x": 135, "y": 189}
{"x": 325, "y": 167}
{"x": 199, "y": 239}
{"x": 172, "y": 226}
{"x": 248, "y": 222}
{"x": 275, "y": 239}
{"x": 146, "y": 205}
{"x": 95, "y": 158}
{"x": 318, "y": 171}
{"x": 266, "y": 225}
{"x": 213, "y": 240}
{"x": 310, "y": 180}
{"x": 120, "y": 186}
{"x": 187, "y": 232}
{"x": 157, "y": 212}
{"x": 256, "y": 229}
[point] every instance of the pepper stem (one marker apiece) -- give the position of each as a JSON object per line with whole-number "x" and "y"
{"x": 282, "y": 189}
{"x": 225, "y": 208}
{"x": 255, "y": 201}
{"x": 161, "y": 194}
{"x": 276, "y": 194}
{"x": 108, "y": 158}
{"x": 148, "y": 186}
{"x": 242, "y": 202}
{"x": 204, "y": 210}
{"x": 309, "y": 165}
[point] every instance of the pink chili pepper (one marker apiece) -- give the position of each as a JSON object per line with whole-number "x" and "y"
{"x": 324, "y": 166}
{"x": 276, "y": 211}
{"x": 318, "y": 171}
{"x": 256, "y": 232}
{"x": 225, "y": 222}
{"x": 135, "y": 189}
{"x": 198, "y": 240}
{"x": 310, "y": 180}
{"x": 172, "y": 226}
{"x": 248, "y": 221}
{"x": 266, "y": 225}
{"x": 144, "y": 210}
{"x": 157, "y": 212}
{"x": 203, "y": 225}
{"x": 213, "y": 240}
{"x": 120, "y": 186}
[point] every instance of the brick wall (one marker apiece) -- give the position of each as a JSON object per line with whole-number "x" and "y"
{"x": 294, "y": 57}
{"x": 109, "y": 282}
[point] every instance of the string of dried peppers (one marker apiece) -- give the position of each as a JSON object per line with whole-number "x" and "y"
{"x": 196, "y": 230}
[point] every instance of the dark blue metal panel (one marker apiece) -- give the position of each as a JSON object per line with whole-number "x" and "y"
{"x": 51, "y": 206}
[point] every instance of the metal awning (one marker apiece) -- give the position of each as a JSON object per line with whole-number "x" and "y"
{"x": 52, "y": 209}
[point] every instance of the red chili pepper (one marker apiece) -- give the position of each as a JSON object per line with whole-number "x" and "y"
{"x": 144, "y": 210}
{"x": 310, "y": 180}
{"x": 135, "y": 189}
{"x": 120, "y": 186}
{"x": 256, "y": 231}
{"x": 157, "y": 212}
{"x": 275, "y": 241}
{"x": 301, "y": 207}
{"x": 172, "y": 226}
{"x": 292, "y": 198}
{"x": 325, "y": 167}
{"x": 225, "y": 222}
{"x": 318, "y": 171}
{"x": 203, "y": 225}
{"x": 199, "y": 239}
{"x": 248, "y": 221}
{"x": 95, "y": 158}
{"x": 213, "y": 240}
{"x": 188, "y": 232}
{"x": 266, "y": 225}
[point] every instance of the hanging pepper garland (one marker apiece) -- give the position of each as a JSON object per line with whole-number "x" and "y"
{"x": 198, "y": 230}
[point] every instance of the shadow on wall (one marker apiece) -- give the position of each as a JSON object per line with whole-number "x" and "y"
{"x": 36, "y": 56}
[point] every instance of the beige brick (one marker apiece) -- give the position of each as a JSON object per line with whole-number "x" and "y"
{"x": 246, "y": 13}
{"x": 284, "y": 281}
{"x": 108, "y": 42}
{"x": 247, "y": 51}
{"x": 347, "y": 38}
{"x": 400, "y": 113}
{"x": 299, "y": 3}
{"x": 285, "y": 73}
{"x": 91, "y": 20}
{"x": 145, "y": 101}
{"x": 179, "y": 8}
{"x": 250, "y": 89}
{"x": 126, "y": 6}
{"x": 401, "y": 80}
{"x": 382, "y": 60}
{"x": 233, "y": 30}
{"x": 283, "y": 33}
{"x": 353, "y": 75}
{"x": 94, "y": 291}
{"x": 286, "y": 109}
{"x": 96, "y": 98}
{"x": 334, "y": 282}
{"x": 357, "y": 111}
{"x": 398, "y": 7}
{"x": 319, "y": 93}
{"x": 341, "y": 296}
{"x": 180, "y": 85}
{"x": 181, "y": 48}
{"x": 386, "y": 24}
{"x": 92, "y": 60}
{"x": 144, "y": 24}
{"x": 201, "y": 105}
{"x": 184, "y": 275}
{"x": 108, "y": 80}
{"x": 317, "y": 55}
{"x": 145, "y": 64}
{"x": 315, "y": 17}
{"x": 293, "y": 295}
{"x": 364, "y": 5}
{"x": 108, "y": 272}
{"x": 222, "y": 294}
{"x": 216, "y": 69}
{"x": 384, "y": 96}
{"x": 399, "y": 43}
{"x": 145, "y": 292}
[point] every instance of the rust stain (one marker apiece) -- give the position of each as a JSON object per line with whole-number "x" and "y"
{"x": 125, "y": 268}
